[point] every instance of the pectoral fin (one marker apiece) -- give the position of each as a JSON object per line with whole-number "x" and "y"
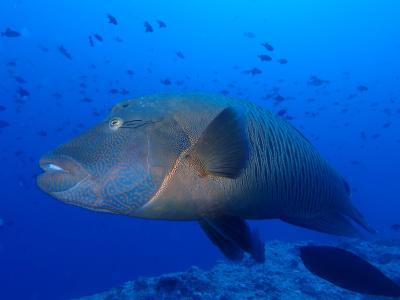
{"x": 233, "y": 236}
{"x": 222, "y": 149}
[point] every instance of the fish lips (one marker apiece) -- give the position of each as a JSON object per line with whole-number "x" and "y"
{"x": 61, "y": 173}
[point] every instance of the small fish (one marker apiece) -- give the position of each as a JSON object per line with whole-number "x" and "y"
{"x": 113, "y": 91}
{"x": 42, "y": 133}
{"x": 249, "y": 35}
{"x": 254, "y": 71}
{"x": 282, "y": 112}
{"x": 264, "y": 57}
{"x": 2, "y": 108}
{"x": 124, "y": 92}
{"x": 118, "y": 39}
{"x": 23, "y": 92}
{"x": 11, "y": 64}
{"x": 278, "y": 99}
{"x": 283, "y": 61}
{"x": 91, "y": 43}
{"x": 10, "y": 33}
{"x": 130, "y": 72}
{"x": 165, "y": 81}
{"x": 98, "y": 37}
{"x": 4, "y": 124}
{"x": 148, "y": 27}
{"x": 376, "y": 135}
{"x": 180, "y": 54}
{"x": 315, "y": 81}
{"x": 43, "y": 48}
{"x": 112, "y": 20}
{"x": 268, "y": 46}
{"x": 87, "y": 100}
{"x": 20, "y": 80}
{"x": 161, "y": 24}
{"x": 57, "y": 95}
{"x": 348, "y": 271}
{"x": 64, "y": 52}
{"x": 362, "y": 88}
{"x": 395, "y": 227}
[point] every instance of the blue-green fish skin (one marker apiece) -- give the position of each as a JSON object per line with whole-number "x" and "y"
{"x": 149, "y": 158}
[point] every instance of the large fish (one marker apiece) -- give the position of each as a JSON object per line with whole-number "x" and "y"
{"x": 201, "y": 157}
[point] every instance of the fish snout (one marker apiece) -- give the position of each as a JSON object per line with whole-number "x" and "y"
{"x": 61, "y": 173}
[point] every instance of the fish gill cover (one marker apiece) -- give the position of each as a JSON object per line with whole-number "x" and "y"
{"x": 329, "y": 68}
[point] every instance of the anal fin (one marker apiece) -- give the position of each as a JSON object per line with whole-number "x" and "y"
{"x": 233, "y": 236}
{"x": 333, "y": 223}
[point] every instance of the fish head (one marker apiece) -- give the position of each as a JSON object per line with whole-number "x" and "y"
{"x": 118, "y": 165}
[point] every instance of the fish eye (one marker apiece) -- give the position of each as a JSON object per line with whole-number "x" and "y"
{"x": 115, "y": 123}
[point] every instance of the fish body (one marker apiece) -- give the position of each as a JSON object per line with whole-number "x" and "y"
{"x": 10, "y": 33}
{"x": 201, "y": 157}
{"x": 112, "y": 20}
{"x": 64, "y": 52}
{"x": 348, "y": 271}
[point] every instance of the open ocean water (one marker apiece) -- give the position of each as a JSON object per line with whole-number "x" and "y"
{"x": 331, "y": 68}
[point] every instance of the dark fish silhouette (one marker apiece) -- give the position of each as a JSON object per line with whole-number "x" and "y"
{"x": 283, "y": 61}
{"x": 118, "y": 39}
{"x": 64, "y": 52}
{"x": 315, "y": 81}
{"x": 42, "y": 133}
{"x": 161, "y": 24}
{"x": 362, "y": 88}
{"x": 282, "y": 112}
{"x": 43, "y": 48}
{"x": 130, "y": 72}
{"x": 249, "y": 35}
{"x": 264, "y": 57}
{"x": 3, "y": 108}
{"x": 20, "y": 80}
{"x": 23, "y": 92}
{"x": 166, "y": 81}
{"x": 148, "y": 27}
{"x": 10, "y": 33}
{"x": 91, "y": 43}
{"x": 112, "y": 20}
{"x": 268, "y": 46}
{"x": 87, "y": 100}
{"x": 347, "y": 270}
{"x": 395, "y": 227}
{"x": 57, "y": 95}
{"x": 180, "y": 54}
{"x": 124, "y": 92}
{"x": 4, "y": 124}
{"x": 98, "y": 37}
{"x": 254, "y": 71}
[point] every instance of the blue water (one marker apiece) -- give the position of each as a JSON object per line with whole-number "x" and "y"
{"x": 49, "y": 250}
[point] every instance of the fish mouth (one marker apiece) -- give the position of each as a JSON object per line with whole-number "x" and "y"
{"x": 60, "y": 173}
{"x": 51, "y": 167}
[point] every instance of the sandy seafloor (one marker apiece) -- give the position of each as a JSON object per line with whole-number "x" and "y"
{"x": 282, "y": 276}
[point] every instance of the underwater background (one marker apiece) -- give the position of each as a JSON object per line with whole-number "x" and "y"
{"x": 331, "y": 67}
